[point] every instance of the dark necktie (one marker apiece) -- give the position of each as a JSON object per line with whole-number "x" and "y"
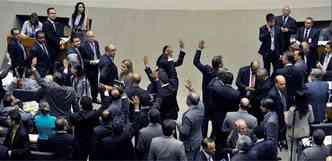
{"x": 93, "y": 47}
{"x": 306, "y": 35}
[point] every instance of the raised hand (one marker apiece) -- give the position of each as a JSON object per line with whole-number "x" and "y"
{"x": 136, "y": 102}
{"x": 146, "y": 60}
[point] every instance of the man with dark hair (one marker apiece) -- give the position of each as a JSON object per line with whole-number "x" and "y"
{"x": 146, "y": 134}
{"x": 325, "y": 63}
{"x": 208, "y": 73}
{"x": 17, "y": 139}
{"x": 17, "y": 53}
{"x": 74, "y": 54}
{"x": 246, "y": 78}
{"x": 166, "y": 147}
{"x": 288, "y": 26}
{"x": 310, "y": 35}
{"x": 52, "y": 35}
{"x": 62, "y": 144}
{"x": 271, "y": 43}
{"x": 207, "y": 151}
{"x": 41, "y": 57}
{"x": 318, "y": 152}
{"x": 294, "y": 78}
{"x": 84, "y": 122}
{"x": 60, "y": 98}
{"x": 244, "y": 144}
{"x": 270, "y": 123}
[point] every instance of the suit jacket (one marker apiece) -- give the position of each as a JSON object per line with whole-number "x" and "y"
{"x": 262, "y": 88}
{"x": 169, "y": 65}
{"x": 312, "y": 39}
{"x": 243, "y": 80}
{"x": 45, "y": 61}
{"x": 234, "y": 136}
{"x": 52, "y": 36}
{"x": 62, "y": 145}
{"x": 108, "y": 70}
{"x": 314, "y": 153}
{"x": 191, "y": 128}
{"x": 88, "y": 55}
{"x": 4, "y": 153}
{"x": 294, "y": 81}
{"x": 328, "y": 75}
{"x": 19, "y": 145}
{"x": 317, "y": 91}
{"x": 166, "y": 148}
{"x": 292, "y": 28}
{"x": 265, "y": 38}
{"x": 208, "y": 74}
{"x": 144, "y": 139}
{"x": 202, "y": 156}
{"x": 302, "y": 67}
{"x": 264, "y": 151}
{"x": 232, "y": 117}
{"x": 271, "y": 126}
{"x": 241, "y": 157}
{"x": 16, "y": 53}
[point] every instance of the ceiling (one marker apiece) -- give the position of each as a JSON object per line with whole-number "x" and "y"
{"x": 191, "y": 4}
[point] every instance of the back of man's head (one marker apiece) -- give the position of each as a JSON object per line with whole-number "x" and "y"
{"x": 318, "y": 137}
{"x": 244, "y": 104}
{"x": 193, "y": 99}
{"x": 58, "y": 78}
{"x": 106, "y": 116}
{"x": 268, "y": 103}
{"x": 244, "y": 143}
{"x": 136, "y": 78}
{"x": 316, "y": 74}
{"x": 226, "y": 77}
{"x": 60, "y": 124}
{"x": 168, "y": 127}
{"x": 289, "y": 56}
{"x": 217, "y": 62}
{"x": 86, "y": 103}
{"x": 154, "y": 116}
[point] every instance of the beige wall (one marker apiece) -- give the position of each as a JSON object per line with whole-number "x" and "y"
{"x": 233, "y": 33}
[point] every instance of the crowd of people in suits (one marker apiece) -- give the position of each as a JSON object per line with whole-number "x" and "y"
{"x": 269, "y": 111}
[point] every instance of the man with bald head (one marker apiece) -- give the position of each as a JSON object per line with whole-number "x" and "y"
{"x": 242, "y": 113}
{"x": 287, "y": 25}
{"x": 191, "y": 127}
{"x": 91, "y": 59}
{"x": 279, "y": 97}
{"x": 142, "y": 94}
{"x": 246, "y": 78}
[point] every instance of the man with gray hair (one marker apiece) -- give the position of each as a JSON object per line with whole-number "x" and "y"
{"x": 244, "y": 144}
{"x": 318, "y": 91}
{"x": 242, "y": 113}
{"x": 287, "y": 25}
{"x": 191, "y": 127}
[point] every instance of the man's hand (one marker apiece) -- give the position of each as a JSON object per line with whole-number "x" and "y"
{"x": 250, "y": 89}
{"x": 146, "y": 60}
{"x": 136, "y": 102}
{"x": 34, "y": 61}
{"x": 201, "y": 44}
{"x": 284, "y": 29}
{"x": 154, "y": 75}
{"x": 181, "y": 44}
{"x": 319, "y": 65}
{"x": 189, "y": 86}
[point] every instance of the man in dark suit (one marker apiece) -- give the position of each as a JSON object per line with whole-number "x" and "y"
{"x": 208, "y": 73}
{"x": 165, "y": 60}
{"x": 271, "y": 43}
{"x": 62, "y": 144}
{"x": 41, "y": 58}
{"x": 91, "y": 58}
{"x": 224, "y": 99}
{"x": 108, "y": 69}
{"x": 270, "y": 123}
{"x": 207, "y": 151}
{"x": 262, "y": 87}
{"x": 244, "y": 144}
{"x": 264, "y": 151}
{"x": 51, "y": 30}
{"x": 318, "y": 93}
{"x": 17, "y": 139}
{"x": 287, "y": 25}
{"x": 310, "y": 35}
{"x": 325, "y": 63}
{"x": 294, "y": 77}
{"x": 17, "y": 53}
{"x": 84, "y": 122}
{"x": 246, "y": 78}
